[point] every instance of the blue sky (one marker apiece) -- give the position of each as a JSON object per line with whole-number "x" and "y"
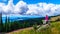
{"x": 33, "y": 1}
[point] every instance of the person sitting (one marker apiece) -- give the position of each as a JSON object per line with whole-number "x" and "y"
{"x": 46, "y": 20}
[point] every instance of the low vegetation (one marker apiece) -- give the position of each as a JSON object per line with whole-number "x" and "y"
{"x": 54, "y": 28}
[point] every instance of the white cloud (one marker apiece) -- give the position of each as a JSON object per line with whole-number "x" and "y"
{"x": 43, "y": 9}
{"x": 21, "y": 7}
{"x": 1, "y": 7}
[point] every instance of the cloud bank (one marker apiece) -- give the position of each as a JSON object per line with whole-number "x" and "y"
{"x": 23, "y": 8}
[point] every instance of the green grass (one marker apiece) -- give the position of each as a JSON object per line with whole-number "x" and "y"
{"x": 53, "y": 29}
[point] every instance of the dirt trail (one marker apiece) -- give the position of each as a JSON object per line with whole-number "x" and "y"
{"x": 29, "y": 28}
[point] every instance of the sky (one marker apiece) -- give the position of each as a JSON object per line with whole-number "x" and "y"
{"x": 30, "y": 7}
{"x": 33, "y": 1}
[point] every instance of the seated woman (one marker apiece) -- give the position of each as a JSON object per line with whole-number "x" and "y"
{"x": 46, "y": 20}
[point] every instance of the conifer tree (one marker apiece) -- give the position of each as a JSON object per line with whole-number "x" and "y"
{"x": 1, "y": 23}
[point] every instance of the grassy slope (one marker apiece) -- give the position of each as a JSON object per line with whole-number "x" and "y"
{"x": 55, "y": 18}
{"x": 53, "y": 29}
